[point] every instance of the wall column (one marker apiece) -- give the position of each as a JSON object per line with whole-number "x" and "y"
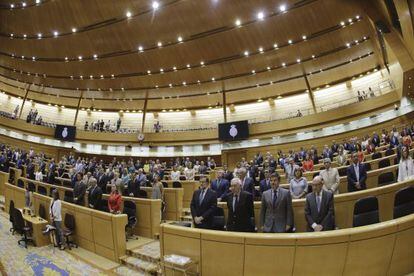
{"x": 24, "y": 100}
{"x": 77, "y": 108}
{"x": 145, "y": 111}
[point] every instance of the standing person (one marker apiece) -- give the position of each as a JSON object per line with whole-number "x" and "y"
{"x": 203, "y": 205}
{"x": 290, "y": 168}
{"x": 220, "y": 185}
{"x": 319, "y": 208}
{"x": 330, "y": 177}
{"x": 55, "y": 212}
{"x": 114, "y": 200}
{"x": 118, "y": 124}
{"x": 406, "y": 166}
{"x": 298, "y": 186}
{"x": 79, "y": 190}
{"x": 246, "y": 182}
{"x": 240, "y": 209}
{"x": 158, "y": 193}
{"x": 356, "y": 174}
{"x": 95, "y": 195}
{"x": 276, "y": 213}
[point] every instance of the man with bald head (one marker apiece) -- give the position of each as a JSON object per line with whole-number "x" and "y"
{"x": 240, "y": 208}
{"x": 247, "y": 183}
{"x": 319, "y": 208}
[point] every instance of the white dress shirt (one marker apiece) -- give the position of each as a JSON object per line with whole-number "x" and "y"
{"x": 55, "y": 210}
{"x": 330, "y": 180}
{"x": 405, "y": 169}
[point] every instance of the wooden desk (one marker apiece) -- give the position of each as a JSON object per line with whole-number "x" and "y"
{"x": 38, "y": 225}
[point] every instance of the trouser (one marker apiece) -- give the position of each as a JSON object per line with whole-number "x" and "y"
{"x": 59, "y": 232}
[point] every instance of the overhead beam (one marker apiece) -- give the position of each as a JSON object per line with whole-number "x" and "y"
{"x": 310, "y": 91}
{"x": 77, "y": 108}
{"x": 144, "y": 114}
{"x": 223, "y": 91}
{"x": 24, "y": 100}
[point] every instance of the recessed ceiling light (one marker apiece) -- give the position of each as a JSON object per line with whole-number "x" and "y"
{"x": 260, "y": 15}
{"x": 202, "y": 63}
{"x": 313, "y": 56}
{"x": 161, "y": 70}
{"x": 175, "y": 68}
{"x": 282, "y": 8}
{"x": 12, "y": 6}
{"x": 304, "y": 37}
{"x": 342, "y": 23}
{"x": 213, "y": 79}
{"x": 39, "y": 35}
{"x": 33, "y": 58}
{"x": 348, "y": 45}
{"x": 275, "y": 45}
{"x": 55, "y": 33}
{"x": 37, "y": 1}
{"x": 140, "y": 48}
{"x": 283, "y": 64}
{"x": 238, "y": 22}
{"x": 184, "y": 83}
{"x": 180, "y": 39}
{"x": 155, "y": 5}
{"x": 128, "y": 14}
{"x": 357, "y": 17}
{"x": 253, "y": 72}
{"x": 268, "y": 68}
{"x": 24, "y": 4}
{"x": 159, "y": 44}
{"x": 80, "y": 57}
{"x": 261, "y": 49}
{"x": 298, "y": 60}
{"x": 350, "y": 20}
{"x": 25, "y": 35}
{"x": 74, "y": 30}
{"x": 149, "y": 72}
{"x": 290, "y": 41}
{"x": 246, "y": 53}
{"x": 11, "y": 35}
{"x": 95, "y": 56}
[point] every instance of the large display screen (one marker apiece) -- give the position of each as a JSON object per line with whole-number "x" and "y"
{"x": 65, "y": 133}
{"x": 233, "y": 131}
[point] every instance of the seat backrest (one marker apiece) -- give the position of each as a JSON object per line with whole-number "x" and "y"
{"x": 164, "y": 184}
{"x": 386, "y": 178}
{"x": 177, "y": 184}
{"x": 42, "y": 190}
{"x": 20, "y": 183}
{"x": 18, "y": 221}
{"x": 218, "y": 222}
{"x": 104, "y": 205}
{"x": 367, "y": 166}
{"x": 389, "y": 152}
{"x": 70, "y": 221}
{"x": 384, "y": 163}
{"x": 376, "y": 155}
{"x": 31, "y": 186}
{"x": 366, "y": 211}
{"x": 68, "y": 197}
{"x": 219, "y": 211}
{"x": 404, "y": 202}
{"x": 130, "y": 204}
{"x": 11, "y": 210}
{"x": 342, "y": 171}
{"x": 51, "y": 192}
{"x": 142, "y": 194}
{"x": 42, "y": 211}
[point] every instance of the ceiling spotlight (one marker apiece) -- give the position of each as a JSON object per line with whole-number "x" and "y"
{"x": 261, "y": 49}
{"x": 348, "y": 45}
{"x": 184, "y": 83}
{"x": 140, "y": 48}
{"x": 213, "y": 79}
{"x": 162, "y": 70}
{"x": 33, "y": 58}
{"x": 238, "y": 22}
{"x": 246, "y": 53}
{"x": 284, "y": 64}
{"x": 202, "y": 63}
{"x": 128, "y": 14}
{"x": 282, "y": 8}
{"x": 170, "y": 85}
{"x": 180, "y": 39}
{"x": 364, "y": 37}
{"x": 275, "y": 45}
{"x": 80, "y": 57}
{"x": 342, "y": 23}
{"x": 37, "y": 1}
{"x": 66, "y": 58}
{"x": 268, "y": 68}
{"x": 260, "y": 15}
{"x": 24, "y": 4}
{"x": 253, "y": 72}
{"x": 113, "y": 76}
{"x": 159, "y": 44}
{"x": 95, "y": 56}
{"x": 102, "y": 76}
{"x": 188, "y": 66}
{"x": 25, "y": 35}
{"x": 313, "y": 56}
{"x": 39, "y": 35}
{"x": 350, "y": 20}
{"x": 74, "y": 30}
{"x": 91, "y": 77}
{"x": 290, "y": 41}
{"x": 55, "y": 33}
{"x": 298, "y": 60}
{"x": 11, "y": 35}
{"x": 12, "y": 6}
{"x": 149, "y": 72}
{"x": 304, "y": 37}
{"x": 357, "y": 17}
{"x": 155, "y": 5}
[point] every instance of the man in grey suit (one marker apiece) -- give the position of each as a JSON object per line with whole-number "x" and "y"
{"x": 276, "y": 213}
{"x": 319, "y": 208}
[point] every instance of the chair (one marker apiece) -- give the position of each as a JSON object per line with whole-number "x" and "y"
{"x": 218, "y": 219}
{"x": 182, "y": 177}
{"x": 31, "y": 186}
{"x": 177, "y": 184}
{"x": 197, "y": 177}
{"x": 342, "y": 171}
{"x": 68, "y": 197}
{"x": 20, "y": 183}
{"x": 386, "y": 178}
{"x": 384, "y": 163}
{"x": 367, "y": 166}
{"x": 376, "y": 155}
{"x": 11, "y": 176}
{"x": 69, "y": 230}
{"x": 42, "y": 211}
{"x": 164, "y": 184}
{"x": 130, "y": 210}
{"x": 42, "y": 190}
{"x": 11, "y": 216}
{"x": 104, "y": 205}
{"x": 21, "y": 228}
{"x": 142, "y": 194}
{"x": 404, "y": 202}
{"x": 366, "y": 211}
{"x": 389, "y": 152}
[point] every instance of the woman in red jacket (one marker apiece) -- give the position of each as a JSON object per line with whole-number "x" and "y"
{"x": 307, "y": 163}
{"x": 114, "y": 201}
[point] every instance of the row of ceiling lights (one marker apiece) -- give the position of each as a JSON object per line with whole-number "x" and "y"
{"x": 23, "y": 5}
{"x": 213, "y": 79}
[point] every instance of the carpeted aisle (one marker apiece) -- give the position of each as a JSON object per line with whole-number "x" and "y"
{"x": 16, "y": 260}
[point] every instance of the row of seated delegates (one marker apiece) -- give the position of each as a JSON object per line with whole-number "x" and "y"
{"x": 101, "y": 126}
{"x": 276, "y": 213}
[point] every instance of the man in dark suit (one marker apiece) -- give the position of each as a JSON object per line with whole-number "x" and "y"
{"x": 356, "y": 174}
{"x": 134, "y": 186}
{"x": 276, "y": 213}
{"x": 79, "y": 191}
{"x": 203, "y": 205}
{"x": 265, "y": 183}
{"x": 30, "y": 170}
{"x": 246, "y": 182}
{"x": 227, "y": 174}
{"x": 220, "y": 185}
{"x": 95, "y": 195}
{"x": 240, "y": 209}
{"x": 319, "y": 208}
{"x": 376, "y": 140}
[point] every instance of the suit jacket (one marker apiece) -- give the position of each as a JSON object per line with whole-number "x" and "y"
{"x": 205, "y": 209}
{"x": 95, "y": 197}
{"x": 239, "y": 220}
{"x": 30, "y": 171}
{"x": 326, "y": 214}
{"x": 264, "y": 186}
{"x": 79, "y": 192}
{"x": 248, "y": 185}
{"x": 222, "y": 189}
{"x": 228, "y": 175}
{"x": 275, "y": 218}
{"x": 352, "y": 177}
{"x": 133, "y": 187}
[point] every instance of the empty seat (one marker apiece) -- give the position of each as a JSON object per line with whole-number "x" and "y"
{"x": 177, "y": 184}
{"x": 384, "y": 163}
{"x": 20, "y": 227}
{"x": 366, "y": 211}
{"x": 376, "y": 155}
{"x": 404, "y": 202}
{"x": 68, "y": 197}
{"x": 31, "y": 186}
{"x": 42, "y": 190}
{"x": 389, "y": 152}
{"x": 367, "y": 166}
{"x": 142, "y": 194}
{"x": 164, "y": 184}
{"x": 20, "y": 183}
{"x": 342, "y": 171}
{"x": 386, "y": 178}
{"x": 42, "y": 211}
{"x": 69, "y": 230}
{"x": 218, "y": 219}
{"x": 130, "y": 210}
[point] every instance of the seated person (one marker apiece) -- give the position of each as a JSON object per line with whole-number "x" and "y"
{"x": 319, "y": 208}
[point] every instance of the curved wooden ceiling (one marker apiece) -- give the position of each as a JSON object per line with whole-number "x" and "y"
{"x": 203, "y": 50}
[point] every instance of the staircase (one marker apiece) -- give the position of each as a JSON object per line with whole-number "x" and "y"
{"x": 143, "y": 260}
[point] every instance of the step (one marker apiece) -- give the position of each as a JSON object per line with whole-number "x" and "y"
{"x": 126, "y": 271}
{"x": 146, "y": 267}
{"x": 186, "y": 218}
{"x": 149, "y": 252}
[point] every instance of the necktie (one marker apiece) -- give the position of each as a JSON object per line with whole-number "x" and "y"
{"x": 274, "y": 197}
{"x": 318, "y": 203}
{"x": 202, "y": 196}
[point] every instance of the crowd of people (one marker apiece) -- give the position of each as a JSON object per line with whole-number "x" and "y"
{"x": 255, "y": 179}
{"x": 33, "y": 117}
{"x": 101, "y": 126}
